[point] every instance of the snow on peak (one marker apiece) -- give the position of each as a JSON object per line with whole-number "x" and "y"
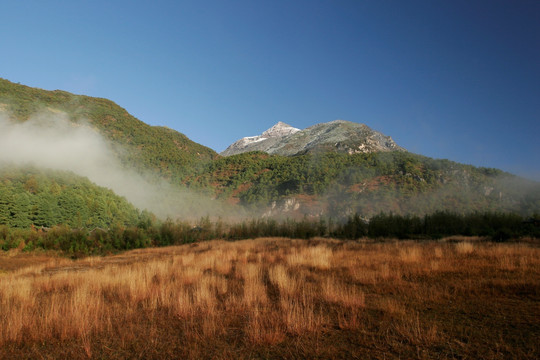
{"x": 249, "y": 140}
{"x": 258, "y": 142}
{"x": 280, "y": 129}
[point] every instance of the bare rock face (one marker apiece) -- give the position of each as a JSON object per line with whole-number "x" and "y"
{"x": 337, "y": 136}
{"x": 260, "y": 142}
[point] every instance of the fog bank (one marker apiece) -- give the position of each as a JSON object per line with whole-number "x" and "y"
{"x": 51, "y": 140}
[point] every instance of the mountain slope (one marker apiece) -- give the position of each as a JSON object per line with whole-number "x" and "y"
{"x": 339, "y": 184}
{"x": 159, "y": 149}
{"x": 336, "y": 136}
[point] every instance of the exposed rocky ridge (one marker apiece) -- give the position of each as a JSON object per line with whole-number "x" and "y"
{"x": 335, "y": 136}
{"x": 261, "y": 142}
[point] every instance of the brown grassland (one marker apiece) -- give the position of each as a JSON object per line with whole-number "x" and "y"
{"x": 277, "y": 298}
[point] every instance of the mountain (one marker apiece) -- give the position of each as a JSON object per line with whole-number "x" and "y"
{"x": 340, "y": 168}
{"x": 150, "y": 148}
{"x": 336, "y": 136}
{"x": 332, "y": 169}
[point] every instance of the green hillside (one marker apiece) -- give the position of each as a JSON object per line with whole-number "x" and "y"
{"x": 159, "y": 149}
{"x": 338, "y": 184}
{"x": 45, "y": 198}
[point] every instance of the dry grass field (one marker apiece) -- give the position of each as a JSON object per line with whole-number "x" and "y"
{"x": 276, "y": 298}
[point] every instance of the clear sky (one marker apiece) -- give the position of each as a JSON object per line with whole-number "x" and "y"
{"x": 454, "y": 79}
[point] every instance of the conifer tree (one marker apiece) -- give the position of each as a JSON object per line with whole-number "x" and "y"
{"x": 5, "y": 200}
{"x": 20, "y": 209}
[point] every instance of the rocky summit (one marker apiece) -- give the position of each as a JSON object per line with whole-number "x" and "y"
{"x": 279, "y": 130}
{"x": 335, "y": 136}
{"x": 261, "y": 142}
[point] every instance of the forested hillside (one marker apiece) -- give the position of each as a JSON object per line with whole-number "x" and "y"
{"x": 159, "y": 149}
{"x": 340, "y": 184}
{"x": 45, "y": 198}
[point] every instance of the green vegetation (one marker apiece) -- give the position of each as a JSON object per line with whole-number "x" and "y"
{"x": 45, "y": 198}
{"x": 77, "y": 242}
{"x": 158, "y": 149}
{"x": 398, "y": 182}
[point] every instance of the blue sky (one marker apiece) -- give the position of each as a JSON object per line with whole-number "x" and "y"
{"x": 448, "y": 79}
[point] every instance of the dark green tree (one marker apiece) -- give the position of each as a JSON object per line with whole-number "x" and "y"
{"x": 20, "y": 211}
{"x": 5, "y": 201}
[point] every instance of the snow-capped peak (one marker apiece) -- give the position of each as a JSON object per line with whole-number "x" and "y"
{"x": 280, "y": 129}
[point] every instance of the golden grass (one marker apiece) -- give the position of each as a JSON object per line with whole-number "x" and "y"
{"x": 410, "y": 254}
{"x": 464, "y": 247}
{"x": 259, "y": 294}
{"x": 264, "y": 327}
{"x": 315, "y": 256}
{"x": 335, "y": 291}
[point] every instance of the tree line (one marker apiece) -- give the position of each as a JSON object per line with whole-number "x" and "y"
{"x": 148, "y": 232}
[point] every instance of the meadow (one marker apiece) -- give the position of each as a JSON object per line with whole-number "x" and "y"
{"x": 276, "y": 298}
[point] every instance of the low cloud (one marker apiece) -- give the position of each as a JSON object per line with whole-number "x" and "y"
{"x": 51, "y": 140}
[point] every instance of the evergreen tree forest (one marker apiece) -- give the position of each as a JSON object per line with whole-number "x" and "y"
{"x": 44, "y": 198}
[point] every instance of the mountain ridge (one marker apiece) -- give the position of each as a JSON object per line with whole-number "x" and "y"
{"x": 335, "y": 136}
